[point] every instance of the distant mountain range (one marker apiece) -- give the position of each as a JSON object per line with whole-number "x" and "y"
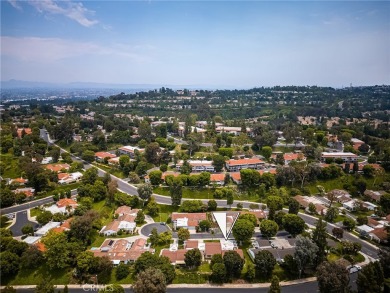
{"x": 17, "y": 84}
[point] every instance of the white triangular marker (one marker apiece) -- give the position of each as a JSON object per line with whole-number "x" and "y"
{"x": 222, "y": 222}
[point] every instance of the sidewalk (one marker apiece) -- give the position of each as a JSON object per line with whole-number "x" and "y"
{"x": 88, "y": 287}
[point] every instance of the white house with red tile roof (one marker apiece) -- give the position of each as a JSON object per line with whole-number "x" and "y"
{"x": 100, "y": 156}
{"x": 63, "y": 206}
{"x": 236, "y": 165}
{"x": 28, "y": 191}
{"x": 67, "y": 178}
{"x": 122, "y": 250}
{"x": 197, "y": 165}
{"x": 57, "y": 167}
{"x": 345, "y": 156}
{"x": 218, "y": 179}
{"x": 18, "y": 181}
{"x": 187, "y": 220}
{"x": 125, "y": 221}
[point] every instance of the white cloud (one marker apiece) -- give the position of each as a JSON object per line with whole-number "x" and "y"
{"x": 15, "y": 4}
{"x": 48, "y": 50}
{"x": 69, "y": 9}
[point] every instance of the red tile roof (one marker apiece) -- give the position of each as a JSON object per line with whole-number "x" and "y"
{"x": 217, "y": 177}
{"x": 176, "y": 257}
{"x": 103, "y": 155}
{"x": 212, "y": 248}
{"x": 193, "y": 218}
{"x": 64, "y": 202}
{"x": 57, "y": 167}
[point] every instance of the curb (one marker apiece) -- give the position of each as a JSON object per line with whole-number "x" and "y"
{"x": 91, "y": 287}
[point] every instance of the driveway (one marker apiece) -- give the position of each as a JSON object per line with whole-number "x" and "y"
{"x": 147, "y": 229}
{"x": 20, "y": 221}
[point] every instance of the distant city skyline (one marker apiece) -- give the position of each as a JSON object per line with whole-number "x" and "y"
{"x": 199, "y": 43}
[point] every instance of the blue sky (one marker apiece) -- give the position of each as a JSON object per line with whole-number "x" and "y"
{"x": 206, "y": 43}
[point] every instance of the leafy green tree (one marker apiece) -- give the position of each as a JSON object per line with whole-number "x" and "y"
{"x": 264, "y": 263}
{"x": 218, "y": 274}
{"x": 332, "y": 277}
{"x": 243, "y": 230}
{"x": 338, "y": 232}
{"x": 28, "y": 229}
{"x": 152, "y": 153}
{"x": 319, "y": 238}
{"x": 31, "y": 258}
{"x": 216, "y": 258}
{"x": 81, "y": 227}
{"x": 293, "y": 224}
{"x": 45, "y": 285}
{"x": 268, "y": 228}
{"x": 90, "y": 176}
{"x": 152, "y": 208}
{"x": 148, "y": 260}
{"x": 86, "y": 263}
{"x": 293, "y": 206}
{"x": 233, "y": 264}
{"x": 44, "y": 217}
{"x": 249, "y": 177}
{"x": 218, "y": 162}
{"x": 331, "y": 214}
{"x": 7, "y": 197}
{"x": 249, "y": 217}
{"x": 212, "y": 205}
{"x": 122, "y": 271}
{"x": 229, "y": 199}
{"x": 266, "y": 151}
{"x": 192, "y": 206}
{"x": 305, "y": 253}
{"x": 193, "y": 258}
{"x": 176, "y": 191}
{"x": 349, "y": 224}
{"x": 155, "y": 177}
{"x": 384, "y": 259}
{"x": 204, "y": 225}
{"x": 274, "y": 203}
{"x": 9, "y": 264}
{"x": 152, "y": 280}
{"x": 278, "y": 218}
{"x": 183, "y": 234}
{"x": 57, "y": 250}
{"x": 275, "y": 287}
{"x": 385, "y": 203}
{"x": 370, "y": 278}
{"x": 145, "y": 191}
{"x": 88, "y": 156}
{"x": 226, "y": 152}
{"x": 140, "y": 217}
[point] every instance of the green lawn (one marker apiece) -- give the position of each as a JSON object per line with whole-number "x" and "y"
{"x": 10, "y": 165}
{"x": 110, "y": 170}
{"x": 33, "y": 277}
{"x": 188, "y": 192}
{"x": 35, "y": 212}
{"x": 165, "y": 211}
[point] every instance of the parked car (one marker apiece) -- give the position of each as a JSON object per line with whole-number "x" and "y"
{"x": 353, "y": 269}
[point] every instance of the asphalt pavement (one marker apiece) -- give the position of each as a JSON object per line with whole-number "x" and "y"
{"x": 20, "y": 221}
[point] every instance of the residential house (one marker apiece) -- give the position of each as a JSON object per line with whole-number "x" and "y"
{"x": 125, "y": 221}
{"x": 221, "y": 247}
{"x": 217, "y": 179}
{"x": 114, "y": 161}
{"x": 176, "y": 257}
{"x": 289, "y": 157}
{"x": 304, "y": 202}
{"x": 130, "y": 151}
{"x": 341, "y": 195}
{"x": 65, "y": 226}
{"x": 47, "y": 160}
{"x": 374, "y": 195}
{"x": 345, "y": 156}
{"x": 379, "y": 234}
{"x": 46, "y": 228}
{"x": 351, "y": 205}
{"x": 100, "y": 156}
{"x": 197, "y": 165}
{"x": 122, "y": 250}
{"x": 236, "y": 177}
{"x": 187, "y": 220}
{"x": 28, "y": 191}
{"x": 237, "y": 165}
{"x": 18, "y": 181}
{"x": 57, "y": 167}
{"x": 63, "y": 206}
{"x": 66, "y": 178}
{"x": 232, "y": 130}
{"x": 356, "y": 143}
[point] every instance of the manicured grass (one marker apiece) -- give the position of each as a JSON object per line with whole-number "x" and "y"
{"x": 189, "y": 277}
{"x": 110, "y": 170}
{"x": 33, "y": 277}
{"x": 65, "y": 188}
{"x": 165, "y": 212}
{"x": 106, "y": 212}
{"x": 358, "y": 258}
{"x": 128, "y": 280}
{"x": 189, "y": 192}
{"x": 332, "y": 257}
{"x": 11, "y": 166}
{"x": 35, "y": 212}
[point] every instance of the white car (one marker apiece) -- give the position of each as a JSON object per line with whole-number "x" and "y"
{"x": 353, "y": 269}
